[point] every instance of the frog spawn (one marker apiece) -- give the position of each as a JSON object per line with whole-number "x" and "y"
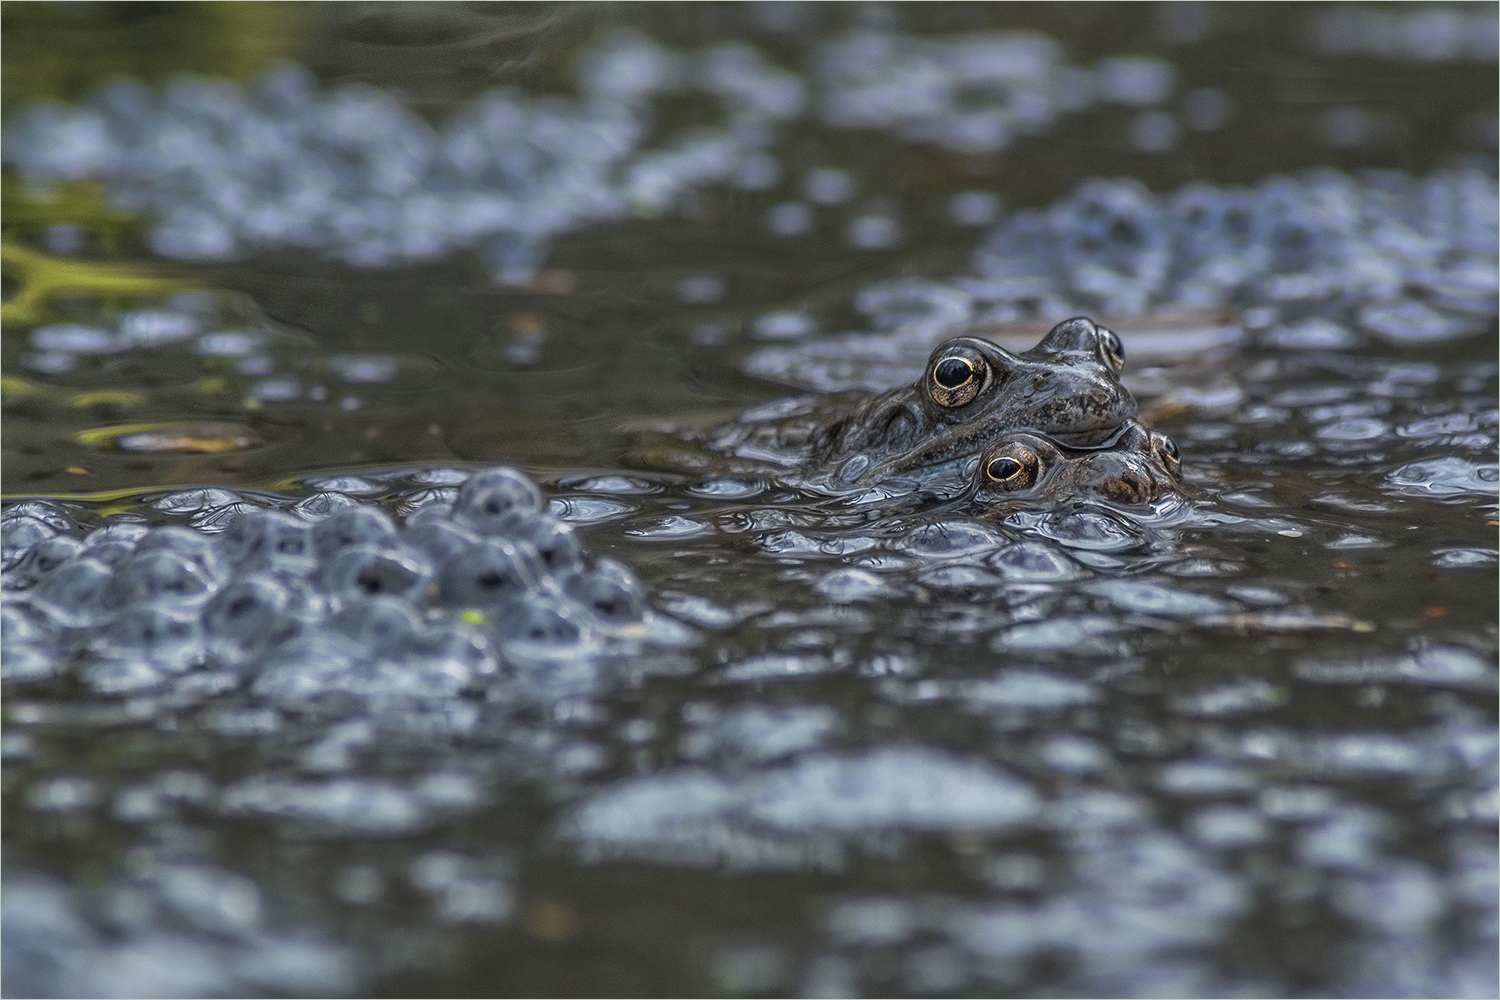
{"x": 352, "y": 602}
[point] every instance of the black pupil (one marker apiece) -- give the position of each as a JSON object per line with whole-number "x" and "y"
{"x": 952, "y": 372}
{"x": 1003, "y": 468}
{"x": 1113, "y": 346}
{"x": 1169, "y": 446}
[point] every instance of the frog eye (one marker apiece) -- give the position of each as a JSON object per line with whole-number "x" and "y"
{"x": 957, "y": 378}
{"x": 1015, "y": 467}
{"x": 1170, "y": 456}
{"x": 1112, "y": 349}
{"x": 1004, "y": 469}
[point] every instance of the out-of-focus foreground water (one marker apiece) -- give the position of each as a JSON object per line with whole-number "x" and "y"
{"x": 728, "y": 738}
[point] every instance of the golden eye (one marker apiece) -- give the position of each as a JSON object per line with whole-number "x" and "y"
{"x": 1168, "y": 448}
{"x": 1003, "y": 469}
{"x": 1113, "y": 349}
{"x": 1012, "y": 467}
{"x": 951, "y": 373}
{"x": 957, "y": 380}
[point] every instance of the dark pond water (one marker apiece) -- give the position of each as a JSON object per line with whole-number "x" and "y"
{"x": 725, "y": 734}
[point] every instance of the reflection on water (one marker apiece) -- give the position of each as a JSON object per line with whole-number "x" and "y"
{"x": 311, "y": 699}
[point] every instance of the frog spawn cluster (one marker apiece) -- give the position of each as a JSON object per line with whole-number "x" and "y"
{"x": 1418, "y": 254}
{"x": 352, "y": 602}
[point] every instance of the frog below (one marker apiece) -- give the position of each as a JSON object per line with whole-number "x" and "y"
{"x": 1026, "y": 470}
{"x": 973, "y": 391}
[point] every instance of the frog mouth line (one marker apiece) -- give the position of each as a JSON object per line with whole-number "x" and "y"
{"x": 1102, "y": 439}
{"x": 1093, "y": 439}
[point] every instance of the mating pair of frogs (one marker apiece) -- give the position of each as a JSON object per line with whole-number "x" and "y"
{"x": 1045, "y": 425}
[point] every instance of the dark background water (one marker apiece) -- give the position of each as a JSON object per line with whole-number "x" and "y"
{"x": 1272, "y": 774}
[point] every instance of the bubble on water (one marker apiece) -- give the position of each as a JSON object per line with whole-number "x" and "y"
{"x": 1206, "y": 109}
{"x": 1314, "y": 333}
{"x": 1079, "y": 635}
{"x": 74, "y": 338}
{"x": 727, "y": 488}
{"x": 378, "y": 624}
{"x": 1230, "y": 699}
{"x": 700, "y": 289}
{"x": 540, "y": 627}
{"x": 974, "y": 208}
{"x": 669, "y": 528}
{"x": 873, "y": 232}
{"x": 1205, "y": 778}
{"x": 607, "y": 590}
{"x": 63, "y": 794}
{"x": 439, "y": 538}
{"x": 827, "y": 186}
{"x": 49, "y": 362}
{"x": 555, "y": 543}
{"x": 758, "y": 172}
{"x": 249, "y": 616}
{"x": 683, "y": 811}
{"x": 951, "y": 539}
{"x": 456, "y": 656}
{"x": 1031, "y": 689}
{"x": 161, "y": 576}
{"x": 783, "y": 326}
{"x": 170, "y": 638}
{"x": 896, "y": 787}
{"x": 494, "y": 572}
{"x": 56, "y": 516}
{"x": 359, "y": 885}
{"x": 1464, "y": 558}
{"x": 614, "y": 485}
{"x": 64, "y": 239}
{"x": 1412, "y": 322}
{"x": 362, "y": 525}
{"x": 29, "y": 636}
{"x": 959, "y": 578}
{"x": 693, "y": 817}
{"x": 230, "y": 343}
{"x": 365, "y": 806}
{"x": 790, "y": 218}
{"x": 1400, "y": 900}
{"x": 41, "y": 559}
{"x": 487, "y": 498}
{"x": 1348, "y": 840}
{"x": 154, "y": 327}
{"x": 1135, "y": 80}
{"x": 208, "y": 897}
{"x": 80, "y": 593}
{"x": 362, "y": 369}
{"x": 1154, "y": 131}
{"x": 1449, "y": 476}
{"x": 361, "y": 571}
{"x": 1363, "y": 753}
{"x": 1086, "y": 531}
{"x": 845, "y": 586}
{"x": 1359, "y": 429}
{"x": 1074, "y": 754}
{"x": 1435, "y": 664}
{"x": 760, "y": 733}
{"x": 1156, "y": 599}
